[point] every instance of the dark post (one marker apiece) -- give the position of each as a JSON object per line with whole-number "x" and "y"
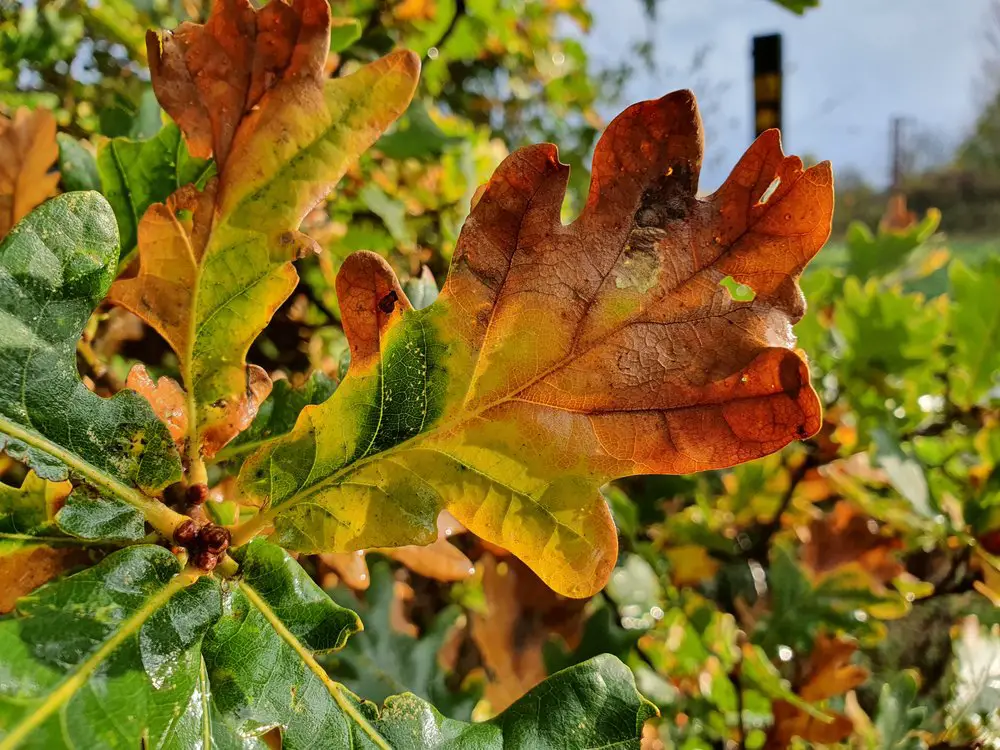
{"x": 766, "y": 82}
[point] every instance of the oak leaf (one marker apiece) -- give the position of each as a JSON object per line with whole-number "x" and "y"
{"x": 845, "y": 537}
{"x": 214, "y": 265}
{"x": 558, "y": 356}
{"x": 28, "y": 149}
{"x": 828, "y": 674}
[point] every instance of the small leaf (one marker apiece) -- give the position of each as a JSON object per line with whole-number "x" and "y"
{"x": 559, "y": 357}
{"x": 827, "y": 674}
{"x": 27, "y": 152}
{"x": 77, "y": 164}
{"x": 55, "y": 267}
{"x": 277, "y": 415}
{"x": 343, "y": 33}
{"x": 87, "y": 515}
{"x": 975, "y": 326}
{"x": 904, "y": 471}
{"x": 136, "y": 174}
{"x": 899, "y": 713}
{"x": 165, "y": 397}
{"x": 422, "y": 290}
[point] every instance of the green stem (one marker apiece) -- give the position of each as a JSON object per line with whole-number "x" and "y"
{"x": 159, "y": 516}
{"x": 78, "y": 678}
{"x": 336, "y": 689}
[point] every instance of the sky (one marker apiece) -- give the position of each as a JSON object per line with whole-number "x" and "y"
{"x": 850, "y": 66}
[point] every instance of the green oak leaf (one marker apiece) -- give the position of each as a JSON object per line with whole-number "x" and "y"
{"x": 899, "y": 712}
{"x": 975, "y": 327}
{"x": 870, "y": 255}
{"x": 382, "y": 661}
{"x": 55, "y": 267}
{"x": 77, "y": 164}
{"x": 592, "y": 705}
{"x": 135, "y": 651}
{"x": 88, "y": 515}
{"x": 135, "y": 174}
{"x": 108, "y": 657}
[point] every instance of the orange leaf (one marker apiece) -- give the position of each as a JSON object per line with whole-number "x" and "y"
{"x": 28, "y": 568}
{"x": 215, "y": 265}
{"x": 166, "y": 398}
{"x": 28, "y": 150}
{"x": 828, "y": 673}
{"x": 847, "y": 537}
{"x": 209, "y": 76}
{"x": 440, "y": 560}
{"x": 513, "y": 659}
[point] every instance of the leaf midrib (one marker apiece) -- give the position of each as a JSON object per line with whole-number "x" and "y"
{"x": 334, "y": 688}
{"x": 78, "y": 678}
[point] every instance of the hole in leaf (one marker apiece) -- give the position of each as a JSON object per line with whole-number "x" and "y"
{"x": 739, "y": 292}
{"x": 775, "y": 183}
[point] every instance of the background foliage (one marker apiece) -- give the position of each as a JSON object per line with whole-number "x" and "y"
{"x": 842, "y": 592}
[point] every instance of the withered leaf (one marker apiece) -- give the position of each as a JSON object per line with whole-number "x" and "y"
{"x": 828, "y": 673}
{"x": 28, "y": 149}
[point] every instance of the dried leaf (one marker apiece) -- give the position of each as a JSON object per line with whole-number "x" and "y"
{"x": 28, "y": 150}
{"x": 350, "y": 567}
{"x": 514, "y": 663}
{"x": 166, "y": 398}
{"x": 559, "y": 357}
{"x": 440, "y": 560}
{"x": 828, "y": 673}
{"x": 25, "y": 512}
{"x": 215, "y": 265}
{"x": 846, "y": 537}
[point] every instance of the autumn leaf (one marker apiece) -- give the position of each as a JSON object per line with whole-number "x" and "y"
{"x": 439, "y": 560}
{"x": 559, "y": 357}
{"x": 31, "y": 550}
{"x": 828, "y": 673}
{"x": 845, "y": 537}
{"x": 166, "y": 398}
{"x": 514, "y": 664}
{"x": 216, "y": 264}
{"x": 28, "y": 150}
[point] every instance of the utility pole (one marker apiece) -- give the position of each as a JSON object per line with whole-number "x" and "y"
{"x": 897, "y": 153}
{"x": 767, "y": 82}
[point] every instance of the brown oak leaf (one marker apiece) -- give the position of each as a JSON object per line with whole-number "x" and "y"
{"x": 28, "y": 150}
{"x": 828, "y": 673}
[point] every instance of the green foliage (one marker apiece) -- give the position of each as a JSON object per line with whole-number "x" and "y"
{"x": 56, "y": 267}
{"x": 135, "y": 174}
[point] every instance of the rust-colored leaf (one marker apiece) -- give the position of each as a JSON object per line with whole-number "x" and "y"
{"x": 25, "y": 569}
{"x": 828, "y": 674}
{"x": 166, "y": 398}
{"x": 558, "y": 357}
{"x": 441, "y": 559}
{"x": 846, "y": 537}
{"x": 28, "y": 150}
{"x": 513, "y": 657}
{"x": 209, "y": 76}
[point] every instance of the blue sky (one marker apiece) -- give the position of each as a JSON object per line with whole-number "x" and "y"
{"x": 850, "y": 65}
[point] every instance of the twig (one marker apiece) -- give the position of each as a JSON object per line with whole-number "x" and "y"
{"x": 459, "y": 12}
{"x": 768, "y": 530}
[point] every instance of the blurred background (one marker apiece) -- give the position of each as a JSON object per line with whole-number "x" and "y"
{"x": 842, "y": 593}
